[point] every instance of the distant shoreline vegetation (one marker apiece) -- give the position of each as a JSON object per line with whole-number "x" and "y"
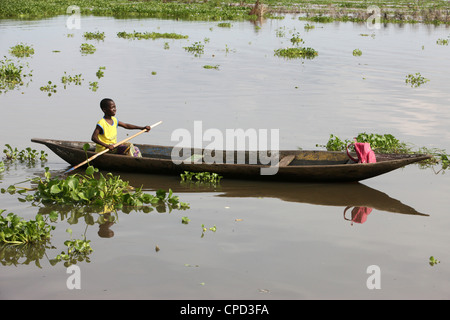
{"x": 395, "y": 11}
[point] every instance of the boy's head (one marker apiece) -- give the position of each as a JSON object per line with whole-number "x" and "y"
{"x": 105, "y": 103}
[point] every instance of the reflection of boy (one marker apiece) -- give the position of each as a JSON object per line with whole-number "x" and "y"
{"x": 105, "y": 133}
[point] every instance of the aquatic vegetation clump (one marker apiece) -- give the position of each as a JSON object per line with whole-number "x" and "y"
{"x": 11, "y": 75}
{"x": 224, "y": 25}
{"x": 416, "y": 80}
{"x": 442, "y": 42}
{"x": 87, "y": 48}
{"x": 94, "y": 35}
{"x": 68, "y": 79}
{"x": 27, "y": 154}
{"x": 77, "y": 250}
{"x": 100, "y": 73}
{"x": 85, "y": 189}
{"x": 49, "y": 87}
{"x": 296, "y": 39}
{"x": 93, "y": 85}
{"x": 296, "y": 52}
{"x": 149, "y": 35}
{"x": 21, "y": 50}
{"x": 428, "y": 11}
{"x": 201, "y": 177}
{"x": 208, "y": 66}
{"x": 16, "y": 230}
{"x": 387, "y": 143}
{"x": 381, "y": 143}
{"x": 357, "y": 52}
{"x": 197, "y": 48}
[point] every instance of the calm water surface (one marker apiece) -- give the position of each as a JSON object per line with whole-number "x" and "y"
{"x": 273, "y": 241}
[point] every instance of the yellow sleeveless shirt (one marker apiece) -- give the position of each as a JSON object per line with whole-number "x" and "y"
{"x": 108, "y": 133}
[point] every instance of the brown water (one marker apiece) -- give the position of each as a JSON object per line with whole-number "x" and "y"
{"x": 273, "y": 241}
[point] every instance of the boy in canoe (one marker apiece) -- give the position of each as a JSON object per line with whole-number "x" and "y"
{"x": 105, "y": 133}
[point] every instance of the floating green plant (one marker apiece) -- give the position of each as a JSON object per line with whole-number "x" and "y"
{"x": 296, "y": 39}
{"x": 224, "y": 24}
{"x": 150, "y": 35}
{"x": 197, "y": 48}
{"x": 68, "y": 79}
{"x": 85, "y": 189}
{"x": 11, "y": 75}
{"x": 94, "y": 35}
{"x": 93, "y": 85}
{"x": 416, "y": 80}
{"x": 87, "y": 48}
{"x": 297, "y": 52}
{"x": 100, "y": 72}
{"x": 319, "y": 18}
{"x": 387, "y": 143}
{"x": 280, "y": 32}
{"x": 357, "y": 52}
{"x": 77, "y": 250}
{"x": 16, "y": 230}
{"x": 442, "y": 42}
{"x": 21, "y": 50}
{"x": 432, "y": 261}
{"x": 26, "y": 154}
{"x": 185, "y": 220}
{"x": 381, "y": 143}
{"x": 207, "y": 66}
{"x": 201, "y": 177}
{"x": 49, "y": 87}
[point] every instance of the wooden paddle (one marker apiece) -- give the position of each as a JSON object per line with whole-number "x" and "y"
{"x": 116, "y": 145}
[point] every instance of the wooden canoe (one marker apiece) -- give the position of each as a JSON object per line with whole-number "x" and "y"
{"x": 293, "y": 165}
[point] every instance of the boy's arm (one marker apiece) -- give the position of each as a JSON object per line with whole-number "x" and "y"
{"x": 95, "y": 139}
{"x": 132, "y": 126}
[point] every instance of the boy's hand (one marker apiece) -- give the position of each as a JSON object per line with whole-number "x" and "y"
{"x": 110, "y": 147}
{"x": 147, "y": 128}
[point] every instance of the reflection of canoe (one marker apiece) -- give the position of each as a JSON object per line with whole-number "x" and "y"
{"x": 339, "y": 195}
{"x": 330, "y": 194}
{"x": 293, "y": 165}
